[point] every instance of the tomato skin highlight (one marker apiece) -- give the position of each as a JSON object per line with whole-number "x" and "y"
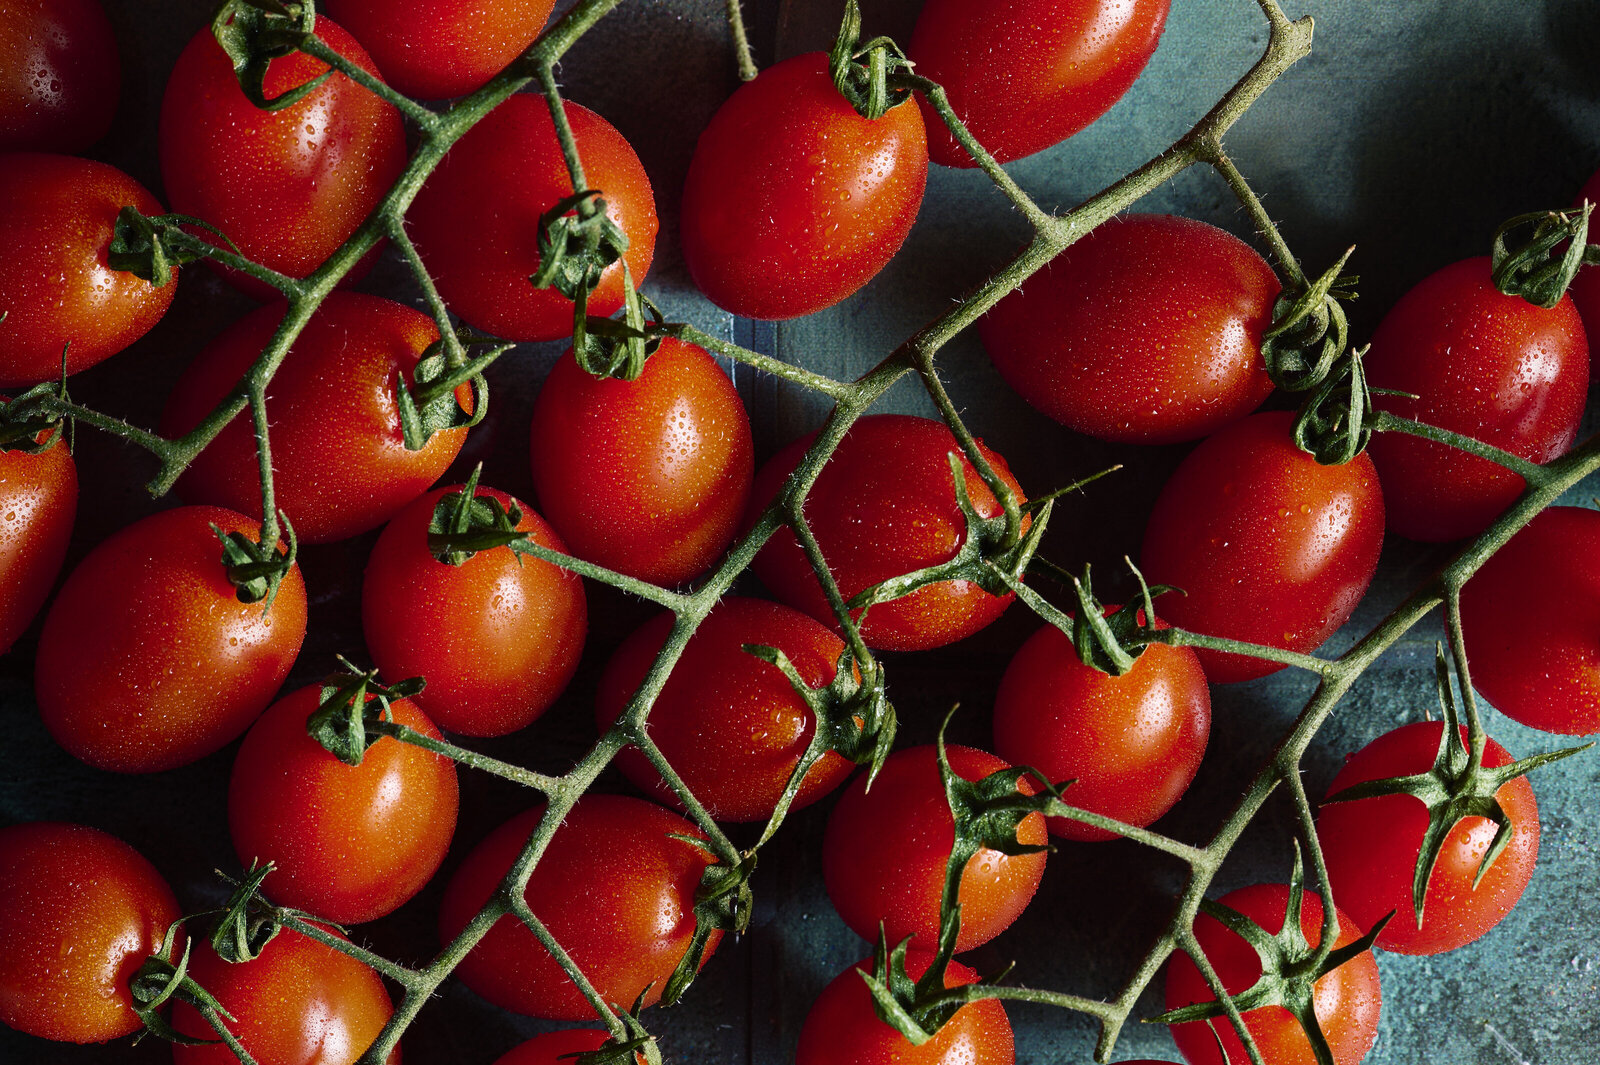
{"x": 38, "y": 502}
{"x": 793, "y": 200}
{"x": 647, "y": 477}
{"x": 1270, "y": 546}
{"x": 1146, "y": 331}
{"x": 59, "y": 75}
{"x": 431, "y": 49}
{"x": 80, "y": 910}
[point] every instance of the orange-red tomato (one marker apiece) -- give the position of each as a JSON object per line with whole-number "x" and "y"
{"x": 59, "y": 75}
{"x": 1585, "y": 288}
{"x": 38, "y": 500}
{"x": 431, "y": 49}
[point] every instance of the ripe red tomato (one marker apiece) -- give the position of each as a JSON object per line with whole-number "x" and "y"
{"x": 1146, "y": 331}
{"x": 80, "y": 911}
{"x": 1270, "y": 546}
{"x": 1585, "y": 288}
{"x": 289, "y": 186}
{"x": 1131, "y": 743}
{"x": 497, "y": 637}
{"x": 38, "y": 501}
{"x": 842, "y": 1027}
{"x": 730, "y": 724}
{"x": 648, "y": 477}
{"x": 1347, "y": 1000}
{"x": 615, "y": 889}
{"x": 1025, "y": 74}
{"x": 338, "y": 454}
{"x": 884, "y": 505}
{"x": 793, "y": 200}
{"x": 476, "y": 220}
{"x": 885, "y": 851}
{"x": 1491, "y": 366}
{"x": 148, "y": 660}
{"x": 558, "y": 1048}
{"x": 350, "y": 843}
{"x": 55, "y": 283}
{"x": 59, "y": 75}
{"x": 1371, "y": 845}
{"x": 431, "y": 49}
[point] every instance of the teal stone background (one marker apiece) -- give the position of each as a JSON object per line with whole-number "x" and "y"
{"x": 1411, "y": 131}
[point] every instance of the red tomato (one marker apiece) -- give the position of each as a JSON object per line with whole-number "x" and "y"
{"x": 350, "y": 843}
{"x": 287, "y": 187}
{"x": 80, "y": 911}
{"x": 1371, "y": 846}
{"x": 615, "y": 889}
{"x": 476, "y": 221}
{"x": 843, "y": 1029}
{"x": 148, "y": 660}
{"x": 431, "y": 49}
{"x": 793, "y": 200}
{"x": 497, "y": 637}
{"x": 1270, "y": 546}
{"x": 338, "y": 454}
{"x": 59, "y": 75}
{"x": 1484, "y": 364}
{"x": 730, "y": 724}
{"x": 558, "y": 1048}
{"x": 1146, "y": 331}
{"x": 1347, "y": 1000}
{"x": 38, "y": 501}
{"x": 1024, "y": 74}
{"x": 55, "y": 283}
{"x": 884, "y": 505}
{"x": 1131, "y": 743}
{"x": 885, "y": 851}
{"x": 648, "y": 477}
{"x": 299, "y": 1003}
{"x": 1585, "y": 288}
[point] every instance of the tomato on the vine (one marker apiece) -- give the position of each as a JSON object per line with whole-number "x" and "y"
{"x": 431, "y": 49}
{"x": 59, "y": 75}
{"x": 38, "y": 501}
{"x": 558, "y": 1048}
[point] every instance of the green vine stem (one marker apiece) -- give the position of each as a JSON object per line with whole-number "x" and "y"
{"x": 741, "y": 42}
{"x": 1532, "y": 472}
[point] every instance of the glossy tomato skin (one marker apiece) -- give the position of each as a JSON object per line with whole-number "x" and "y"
{"x": 1131, "y": 744}
{"x": 648, "y": 477}
{"x": 349, "y": 843}
{"x": 80, "y": 911}
{"x": 339, "y": 457}
{"x": 148, "y": 660}
{"x": 730, "y": 724}
{"x": 885, "y": 851}
{"x": 1585, "y": 288}
{"x": 55, "y": 282}
{"x": 59, "y": 75}
{"x": 613, "y": 887}
{"x": 476, "y": 220}
{"x": 38, "y": 501}
{"x": 289, "y": 186}
{"x": 1371, "y": 845}
{"x": 843, "y": 1029}
{"x": 884, "y": 505}
{"x": 1490, "y": 366}
{"x": 1270, "y": 546}
{"x": 497, "y": 637}
{"x": 557, "y": 1048}
{"x": 430, "y": 49}
{"x": 1025, "y": 74}
{"x": 1146, "y": 331}
{"x": 793, "y": 200}
{"x": 1347, "y": 1000}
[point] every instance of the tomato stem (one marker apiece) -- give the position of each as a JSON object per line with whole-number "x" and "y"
{"x": 1532, "y": 472}
{"x": 741, "y": 42}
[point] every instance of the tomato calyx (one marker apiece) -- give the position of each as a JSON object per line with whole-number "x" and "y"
{"x": 249, "y": 922}
{"x": 1334, "y": 424}
{"x": 1309, "y": 329}
{"x": 349, "y": 703}
{"x": 256, "y": 570}
{"x": 465, "y": 523}
{"x": 917, "y": 1009}
{"x": 165, "y": 976}
{"x": 255, "y": 32}
{"x": 1108, "y": 638}
{"x": 433, "y": 408}
{"x": 607, "y": 347}
{"x": 624, "y": 1048}
{"x": 861, "y": 71}
{"x": 1536, "y": 255}
{"x": 722, "y": 903}
{"x": 150, "y": 246}
{"x": 26, "y": 425}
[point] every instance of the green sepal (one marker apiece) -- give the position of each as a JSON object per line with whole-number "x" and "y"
{"x": 248, "y": 922}
{"x": 635, "y": 1040}
{"x": 347, "y": 702}
{"x": 861, "y": 71}
{"x": 1334, "y": 424}
{"x": 1309, "y": 330}
{"x": 163, "y": 976}
{"x": 1536, "y": 255}
{"x": 255, "y": 32}
{"x": 22, "y": 421}
{"x": 723, "y": 902}
{"x": 578, "y": 240}
{"x": 606, "y": 347}
{"x": 917, "y": 1009}
{"x": 422, "y": 414}
{"x": 853, "y": 714}
{"x": 256, "y": 570}
{"x": 464, "y": 523}
{"x": 149, "y": 246}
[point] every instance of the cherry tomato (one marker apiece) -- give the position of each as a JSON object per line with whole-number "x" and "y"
{"x": 1371, "y": 846}
{"x": 148, "y": 660}
{"x": 1347, "y": 1000}
{"x": 615, "y": 888}
{"x": 1585, "y": 288}
{"x": 80, "y": 911}
{"x": 1025, "y": 74}
{"x": 1146, "y": 331}
{"x": 1131, "y": 744}
{"x": 884, "y": 505}
{"x": 431, "y": 49}
{"x": 842, "y": 1027}
{"x": 648, "y": 477}
{"x": 55, "y": 283}
{"x": 289, "y": 186}
{"x": 793, "y": 200}
{"x": 38, "y": 501}
{"x": 1490, "y": 366}
{"x": 558, "y": 1048}
{"x": 497, "y": 637}
{"x": 340, "y": 464}
{"x": 730, "y": 724}
{"x": 59, "y": 75}
{"x": 1269, "y": 546}
{"x": 885, "y": 852}
{"x": 476, "y": 220}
